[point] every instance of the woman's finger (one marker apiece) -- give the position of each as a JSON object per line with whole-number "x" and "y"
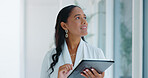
{"x": 66, "y": 68}
{"x": 90, "y": 73}
{"x": 97, "y": 74}
{"x": 103, "y": 74}
{"x": 84, "y": 75}
{"x": 63, "y": 66}
{"x": 63, "y": 70}
{"x": 69, "y": 67}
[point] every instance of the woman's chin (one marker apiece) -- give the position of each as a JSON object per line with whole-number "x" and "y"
{"x": 84, "y": 34}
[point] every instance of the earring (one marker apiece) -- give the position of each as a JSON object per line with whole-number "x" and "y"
{"x": 66, "y": 35}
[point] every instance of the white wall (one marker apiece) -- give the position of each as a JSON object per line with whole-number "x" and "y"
{"x": 39, "y": 30}
{"x": 10, "y": 38}
{"x": 40, "y": 19}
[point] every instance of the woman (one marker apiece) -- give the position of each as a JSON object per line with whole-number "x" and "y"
{"x": 71, "y": 27}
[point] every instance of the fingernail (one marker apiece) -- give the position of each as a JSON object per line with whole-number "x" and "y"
{"x": 92, "y": 69}
{"x": 87, "y": 70}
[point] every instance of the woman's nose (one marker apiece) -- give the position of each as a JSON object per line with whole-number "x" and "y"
{"x": 84, "y": 21}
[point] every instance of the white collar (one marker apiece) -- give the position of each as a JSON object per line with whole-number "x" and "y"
{"x": 79, "y": 55}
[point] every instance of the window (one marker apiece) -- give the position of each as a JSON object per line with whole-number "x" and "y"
{"x": 123, "y": 38}
{"x": 145, "y": 39}
{"x": 102, "y": 25}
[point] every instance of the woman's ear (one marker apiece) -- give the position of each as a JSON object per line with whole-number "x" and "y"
{"x": 63, "y": 25}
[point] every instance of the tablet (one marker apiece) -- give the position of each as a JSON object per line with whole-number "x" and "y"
{"x": 98, "y": 64}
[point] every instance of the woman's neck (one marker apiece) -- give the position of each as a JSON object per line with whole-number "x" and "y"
{"x": 73, "y": 43}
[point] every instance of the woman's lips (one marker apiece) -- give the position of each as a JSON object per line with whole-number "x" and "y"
{"x": 84, "y": 27}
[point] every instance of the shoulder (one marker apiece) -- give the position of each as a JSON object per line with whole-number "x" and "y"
{"x": 50, "y": 52}
{"x": 95, "y": 51}
{"x": 93, "y": 48}
{"x": 48, "y": 55}
{"x": 46, "y": 63}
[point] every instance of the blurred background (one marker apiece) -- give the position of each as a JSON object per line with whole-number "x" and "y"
{"x": 118, "y": 27}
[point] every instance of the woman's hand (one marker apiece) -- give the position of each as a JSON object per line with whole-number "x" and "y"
{"x": 92, "y": 74}
{"x": 64, "y": 70}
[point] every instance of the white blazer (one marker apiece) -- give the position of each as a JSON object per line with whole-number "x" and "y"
{"x": 84, "y": 51}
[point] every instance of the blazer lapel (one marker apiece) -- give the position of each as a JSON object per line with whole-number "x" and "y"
{"x": 79, "y": 54}
{"x": 66, "y": 55}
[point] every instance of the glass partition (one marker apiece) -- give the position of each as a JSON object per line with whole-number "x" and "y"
{"x": 123, "y": 38}
{"x": 145, "y": 37}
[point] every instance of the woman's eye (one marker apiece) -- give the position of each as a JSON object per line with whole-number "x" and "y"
{"x": 84, "y": 17}
{"x": 77, "y": 17}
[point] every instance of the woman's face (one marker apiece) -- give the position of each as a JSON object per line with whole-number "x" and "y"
{"x": 76, "y": 23}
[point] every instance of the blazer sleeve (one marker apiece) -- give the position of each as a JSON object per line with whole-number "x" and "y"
{"x": 45, "y": 65}
{"x": 99, "y": 54}
{"x": 44, "y": 69}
